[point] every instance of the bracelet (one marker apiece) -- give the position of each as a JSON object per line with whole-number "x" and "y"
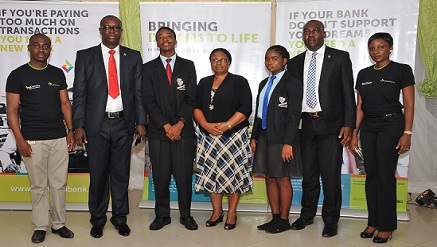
{"x": 229, "y": 125}
{"x": 408, "y": 132}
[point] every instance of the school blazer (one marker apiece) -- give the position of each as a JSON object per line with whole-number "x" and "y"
{"x": 283, "y": 112}
{"x": 165, "y": 103}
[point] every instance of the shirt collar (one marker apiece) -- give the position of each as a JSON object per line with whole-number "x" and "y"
{"x": 105, "y": 50}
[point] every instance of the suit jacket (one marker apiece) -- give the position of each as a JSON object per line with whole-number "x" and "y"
{"x": 165, "y": 103}
{"x": 283, "y": 112}
{"x": 336, "y": 93}
{"x": 90, "y": 90}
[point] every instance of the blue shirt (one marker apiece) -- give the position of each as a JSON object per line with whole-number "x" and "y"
{"x": 259, "y": 113}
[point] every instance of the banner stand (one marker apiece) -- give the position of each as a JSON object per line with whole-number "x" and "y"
{"x": 259, "y": 208}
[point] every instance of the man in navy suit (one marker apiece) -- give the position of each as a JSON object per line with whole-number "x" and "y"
{"x": 328, "y": 116}
{"x": 169, "y": 88}
{"x": 108, "y": 112}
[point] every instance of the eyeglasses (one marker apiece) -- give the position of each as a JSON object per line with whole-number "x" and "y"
{"x": 109, "y": 28}
{"x": 223, "y": 60}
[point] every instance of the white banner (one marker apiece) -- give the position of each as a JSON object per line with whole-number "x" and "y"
{"x": 241, "y": 28}
{"x": 349, "y": 24}
{"x": 70, "y": 26}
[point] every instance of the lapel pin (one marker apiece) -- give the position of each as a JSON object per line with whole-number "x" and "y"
{"x": 329, "y": 56}
{"x": 124, "y": 54}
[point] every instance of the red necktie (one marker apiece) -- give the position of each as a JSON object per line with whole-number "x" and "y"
{"x": 114, "y": 91}
{"x": 168, "y": 70}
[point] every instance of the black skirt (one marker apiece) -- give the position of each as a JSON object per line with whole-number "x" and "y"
{"x": 268, "y": 160}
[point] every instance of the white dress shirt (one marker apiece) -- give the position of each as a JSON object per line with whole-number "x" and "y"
{"x": 113, "y": 105}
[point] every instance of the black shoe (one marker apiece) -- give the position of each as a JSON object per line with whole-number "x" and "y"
{"x": 329, "y": 230}
{"x": 365, "y": 234}
{"x": 123, "y": 229}
{"x": 270, "y": 223}
{"x": 189, "y": 223}
{"x": 231, "y": 226}
{"x": 159, "y": 222}
{"x": 96, "y": 231}
{"x": 300, "y": 223}
{"x": 280, "y": 226}
{"x": 38, "y": 236}
{"x": 380, "y": 240}
{"x": 210, "y": 223}
{"x": 64, "y": 232}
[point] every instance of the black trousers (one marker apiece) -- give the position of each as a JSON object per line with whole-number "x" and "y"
{"x": 109, "y": 166}
{"x": 379, "y": 137}
{"x": 322, "y": 157}
{"x": 175, "y": 158}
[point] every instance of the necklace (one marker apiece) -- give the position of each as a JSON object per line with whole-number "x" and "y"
{"x": 375, "y": 68}
{"x": 211, "y": 106}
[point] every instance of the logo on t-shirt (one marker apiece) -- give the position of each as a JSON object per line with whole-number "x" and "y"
{"x": 33, "y": 87}
{"x": 53, "y": 84}
{"x": 387, "y": 81}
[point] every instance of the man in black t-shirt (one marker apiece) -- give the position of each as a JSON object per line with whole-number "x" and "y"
{"x": 37, "y": 98}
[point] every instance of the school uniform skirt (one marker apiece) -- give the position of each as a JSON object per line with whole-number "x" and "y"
{"x": 268, "y": 160}
{"x": 224, "y": 163}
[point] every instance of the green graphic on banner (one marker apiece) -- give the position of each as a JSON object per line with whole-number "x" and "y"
{"x": 358, "y": 194}
{"x": 16, "y": 188}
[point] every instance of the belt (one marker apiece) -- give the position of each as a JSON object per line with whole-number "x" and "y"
{"x": 316, "y": 114}
{"x": 117, "y": 114}
{"x": 388, "y": 115}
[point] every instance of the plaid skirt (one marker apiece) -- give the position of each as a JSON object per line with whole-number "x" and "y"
{"x": 224, "y": 163}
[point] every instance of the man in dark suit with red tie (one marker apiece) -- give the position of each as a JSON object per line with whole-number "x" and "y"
{"x": 108, "y": 112}
{"x": 169, "y": 89}
{"x": 328, "y": 115}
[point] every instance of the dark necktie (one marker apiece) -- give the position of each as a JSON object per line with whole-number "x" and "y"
{"x": 114, "y": 91}
{"x": 266, "y": 102}
{"x": 168, "y": 70}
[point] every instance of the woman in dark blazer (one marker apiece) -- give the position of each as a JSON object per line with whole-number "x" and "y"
{"x": 274, "y": 135}
{"x": 224, "y": 103}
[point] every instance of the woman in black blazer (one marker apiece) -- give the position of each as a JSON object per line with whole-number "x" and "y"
{"x": 274, "y": 135}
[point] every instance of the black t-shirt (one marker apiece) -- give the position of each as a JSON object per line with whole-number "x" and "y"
{"x": 380, "y": 89}
{"x": 41, "y": 117}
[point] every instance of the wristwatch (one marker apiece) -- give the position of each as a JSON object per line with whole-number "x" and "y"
{"x": 408, "y": 132}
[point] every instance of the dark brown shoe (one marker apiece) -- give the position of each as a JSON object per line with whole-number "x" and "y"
{"x": 329, "y": 230}
{"x": 123, "y": 229}
{"x": 38, "y": 236}
{"x": 64, "y": 232}
{"x": 301, "y": 223}
{"x": 159, "y": 223}
{"x": 96, "y": 231}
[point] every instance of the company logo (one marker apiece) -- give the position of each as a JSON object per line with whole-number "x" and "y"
{"x": 387, "y": 81}
{"x": 33, "y": 87}
{"x": 53, "y": 84}
{"x": 67, "y": 66}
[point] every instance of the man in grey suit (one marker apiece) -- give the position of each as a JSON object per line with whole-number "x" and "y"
{"x": 328, "y": 115}
{"x": 169, "y": 84}
{"x": 108, "y": 112}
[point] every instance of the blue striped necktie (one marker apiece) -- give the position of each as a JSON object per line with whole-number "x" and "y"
{"x": 266, "y": 102}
